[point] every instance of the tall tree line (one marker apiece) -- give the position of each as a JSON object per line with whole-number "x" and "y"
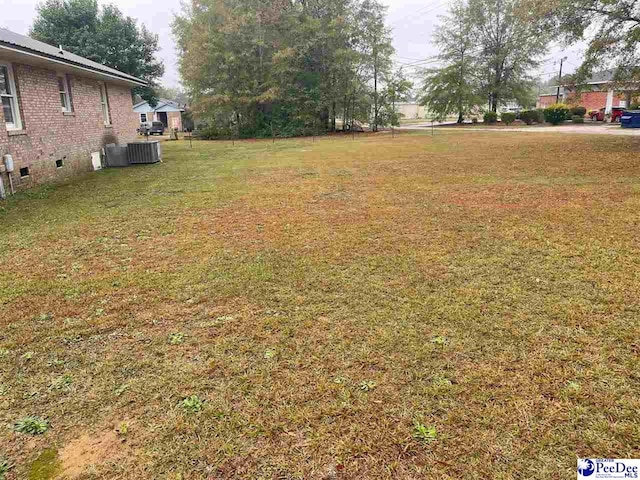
{"x": 102, "y": 34}
{"x": 285, "y": 67}
{"x": 488, "y": 49}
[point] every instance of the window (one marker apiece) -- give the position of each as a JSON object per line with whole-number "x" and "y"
{"x": 104, "y": 101}
{"x": 59, "y": 163}
{"x": 65, "y": 92}
{"x": 143, "y": 117}
{"x": 24, "y": 172}
{"x": 9, "y": 98}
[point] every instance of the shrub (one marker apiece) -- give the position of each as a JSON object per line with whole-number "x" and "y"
{"x": 213, "y": 132}
{"x": 634, "y": 106}
{"x": 32, "y": 426}
{"x": 192, "y": 404}
{"x": 508, "y": 118}
{"x": 578, "y": 111}
{"x": 540, "y": 112}
{"x": 529, "y": 116}
{"x": 577, "y": 119}
{"x": 556, "y": 114}
{"x": 490, "y": 117}
{"x": 423, "y": 432}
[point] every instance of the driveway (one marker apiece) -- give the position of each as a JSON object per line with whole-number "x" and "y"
{"x": 587, "y": 128}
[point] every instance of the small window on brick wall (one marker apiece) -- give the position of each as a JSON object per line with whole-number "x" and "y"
{"x": 24, "y": 172}
{"x": 59, "y": 163}
{"x": 65, "y": 93}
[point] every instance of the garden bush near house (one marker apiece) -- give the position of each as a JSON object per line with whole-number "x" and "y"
{"x": 508, "y": 118}
{"x": 529, "y": 117}
{"x": 577, "y": 119}
{"x": 579, "y": 111}
{"x": 490, "y": 117}
{"x": 540, "y": 113}
{"x": 556, "y": 114}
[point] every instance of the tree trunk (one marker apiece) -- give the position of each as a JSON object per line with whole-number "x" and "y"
{"x": 333, "y": 116}
{"x": 494, "y": 102}
{"x": 375, "y": 92}
{"x": 345, "y": 110}
{"x": 460, "y": 83}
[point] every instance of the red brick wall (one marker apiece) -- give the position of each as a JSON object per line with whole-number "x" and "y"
{"x": 545, "y": 100}
{"x": 589, "y": 100}
{"x": 48, "y": 134}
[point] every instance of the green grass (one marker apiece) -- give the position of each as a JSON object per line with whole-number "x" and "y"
{"x": 462, "y": 306}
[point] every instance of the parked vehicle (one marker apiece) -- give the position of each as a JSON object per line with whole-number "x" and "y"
{"x": 151, "y": 128}
{"x": 599, "y": 115}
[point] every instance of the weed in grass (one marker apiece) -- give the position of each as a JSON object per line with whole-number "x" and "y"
{"x": 27, "y": 355}
{"x": 424, "y": 433}
{"x": 54, "y": 363}
{"x": 339, "y": 380}
{"x": 120, "y": 390}
{"x": 440, "y": 340}
{"x": 3, "y": 389}
{"x": 269, "y": 353}
{"x": 176, "y": 338}
{"x": 4, "y": 468}
{"x": 3, "y": 352}
{"x": 122, "y": 429}
{"x": 367, "y": 385}
{"x": 30, "y": 394}
{"x": 62, "y": 383}
{"x": 192, "y": 404}
{"x": 71, "y": 339}
{"x": 572, "y": 388}
{"x": 45, "y": 317}
{"x": 31, "y": 425}
{"x": 440, "y": 381}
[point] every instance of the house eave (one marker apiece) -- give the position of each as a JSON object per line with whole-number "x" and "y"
{"x": 17, "y": 54}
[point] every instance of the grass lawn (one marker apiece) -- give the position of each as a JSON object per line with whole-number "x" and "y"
{"x": 462, "y": 306}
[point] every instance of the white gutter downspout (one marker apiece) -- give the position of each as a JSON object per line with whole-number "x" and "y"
{"x": 609, "y": 107}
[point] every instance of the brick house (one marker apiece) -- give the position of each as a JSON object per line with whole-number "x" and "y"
{"x": 166, "y": 111}
{"x": 58, "y": 109}
{"x": 598, "y": 92}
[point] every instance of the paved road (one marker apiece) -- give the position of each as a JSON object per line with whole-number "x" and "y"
{"x": 591, "y": 129}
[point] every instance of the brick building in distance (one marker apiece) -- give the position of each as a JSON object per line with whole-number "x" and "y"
{"x": 596, "y": 93}
{"x": 58, "y": 110}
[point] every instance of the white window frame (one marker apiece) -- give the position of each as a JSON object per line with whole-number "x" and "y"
{"x": 145, "y": 118}
{"x": 66, "y": 108}
{"x": 104, "y": 103}
{"x": 15, "y": 106}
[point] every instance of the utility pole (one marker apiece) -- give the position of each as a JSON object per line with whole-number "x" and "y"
{"x": 560, "y": 80}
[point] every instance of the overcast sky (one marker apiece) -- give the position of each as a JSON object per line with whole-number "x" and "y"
{"x": 412, "y": 21}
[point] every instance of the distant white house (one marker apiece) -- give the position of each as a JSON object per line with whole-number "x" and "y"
{"x": 166, "y": 111}
{"x": 410, "y": 110}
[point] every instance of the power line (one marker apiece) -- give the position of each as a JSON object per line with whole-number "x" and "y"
{"x": 420, "y": 11}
